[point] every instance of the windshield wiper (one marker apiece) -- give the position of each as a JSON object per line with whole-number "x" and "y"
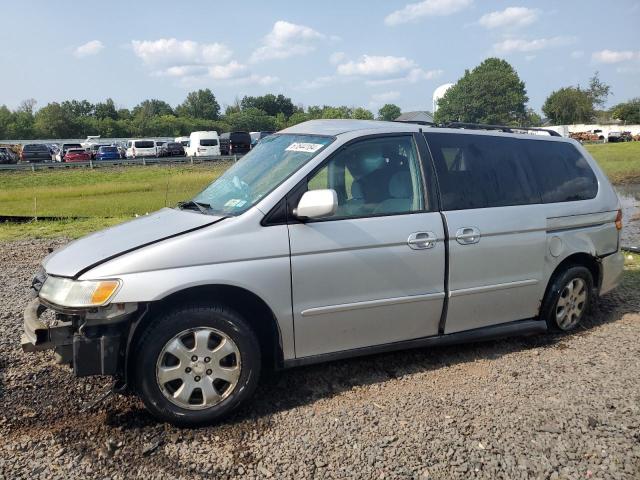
{"x": 191, "y": 205}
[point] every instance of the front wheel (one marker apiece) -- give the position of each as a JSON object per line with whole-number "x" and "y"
{"x": 568, "y": 299}
{"x": 197, "y": 364}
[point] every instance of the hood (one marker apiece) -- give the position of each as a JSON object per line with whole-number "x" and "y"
{"x": 87, "y": 252}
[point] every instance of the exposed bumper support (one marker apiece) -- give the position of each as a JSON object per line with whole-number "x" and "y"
{"x": 39, "y": 336}
{"x": 94, "y": 350}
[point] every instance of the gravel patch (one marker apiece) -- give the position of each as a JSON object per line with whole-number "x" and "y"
{"x": 548, "y": 407}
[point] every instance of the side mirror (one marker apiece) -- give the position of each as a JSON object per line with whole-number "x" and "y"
{"x": 316, "y": 204}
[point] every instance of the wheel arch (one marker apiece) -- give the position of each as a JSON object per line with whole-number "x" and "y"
{"x": 591, "y": 262}
{"x": 250, "y": 306}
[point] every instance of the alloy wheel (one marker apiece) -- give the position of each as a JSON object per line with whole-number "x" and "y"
{"x": 198, "y": 368}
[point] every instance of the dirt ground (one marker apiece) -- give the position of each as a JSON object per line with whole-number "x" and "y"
{"x": 548, "y": 406}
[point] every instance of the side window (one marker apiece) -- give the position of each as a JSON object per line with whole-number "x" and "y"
{"x": 373, "y": 177}
{"x": 480, "y": 171}
{"x": 563, "y": 174}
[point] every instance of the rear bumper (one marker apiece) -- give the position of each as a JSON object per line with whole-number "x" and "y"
{"x": 612, "y": 268}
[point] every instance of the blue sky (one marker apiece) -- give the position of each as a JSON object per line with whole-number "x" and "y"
{"x": 355, "y": 53}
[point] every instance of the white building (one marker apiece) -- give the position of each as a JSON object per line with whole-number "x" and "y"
{"x": 438, "y": 93}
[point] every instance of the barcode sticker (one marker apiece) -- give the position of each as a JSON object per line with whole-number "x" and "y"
{"x": 304, "y": 147}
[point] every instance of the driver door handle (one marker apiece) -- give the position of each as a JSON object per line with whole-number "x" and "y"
{"x": 468, "y": 235}
{"x": 422, "y": 240}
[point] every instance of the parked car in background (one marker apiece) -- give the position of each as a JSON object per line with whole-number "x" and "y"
{"x": 59, "y": 156}
{"x": 203, "y": 144}
{"x": 172, "y": 149}
{"x": 232, "y": 143}
{"x": 618, "y": 136}
{"x": 615, "y": 136}
{"x": 332, "y": 239}
{"x": 141, "y": 148}
{"x": 257, "y": 136}
{"x": 35, "y": 153}
{"x": 122, "y": 149}
{"x": 54, "y": 148}
{"x": 7, "y": 155}
{"x": 106, "y": 152}
{"x": 93, "y": 149}
{"x": 184, "y": 141}
{"x": 159, "y": 144}
{"x": 76, "y": 155}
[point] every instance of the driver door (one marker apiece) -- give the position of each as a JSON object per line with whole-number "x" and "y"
{"x": 372, "y": 273}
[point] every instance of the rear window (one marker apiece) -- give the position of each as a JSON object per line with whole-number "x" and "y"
{"x": 208, "y": 142}
{"x": 144, "y": 144}
{"x": 35, "y": 148}
{"x": 562, "y": 173}
{"x": 240, "y": 137}
{"x": 173, "y": 145}
{"x": 71, "y": 145}
{"x": 108, "y": 149}
{"x": 481, "y": 171}
{"x": 76, "y": 150}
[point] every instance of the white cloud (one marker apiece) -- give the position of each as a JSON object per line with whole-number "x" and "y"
{"x": 169, "y": 52}
{"x": 287, "y": 40}
{"x": 511, "y": 45}
{"x": 224, "y": 72}
{"x": 193, "y": 63}
{"x": 577, "y": 54}
{"x": 90, "y": 48}
{"x": 258, "y": 80}
{"x": 418, "y": 74}
{"x": 510, "y": 17}
{"x": 615, "y": 56}
{"x": 337, "y": 57}
{"x": 384, "y": 97}
{"x": 427, "y": 8}
{"x": 371, "y": 65}
{"x": 413, "y": 76}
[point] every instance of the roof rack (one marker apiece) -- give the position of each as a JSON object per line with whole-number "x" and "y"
{"x": 416, "y": 122}
{"x": 502, "y": 128}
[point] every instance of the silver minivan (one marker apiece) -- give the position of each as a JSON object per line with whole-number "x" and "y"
{"x": 332, "y": 239}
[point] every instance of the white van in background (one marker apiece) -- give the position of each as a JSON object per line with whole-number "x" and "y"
{"x": 203, "y": 144}
{"x": 142, "y": 147}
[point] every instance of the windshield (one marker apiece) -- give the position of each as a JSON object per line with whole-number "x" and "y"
{"x": 259, "y": 172}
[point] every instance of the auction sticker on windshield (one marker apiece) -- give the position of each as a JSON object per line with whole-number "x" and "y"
{"x": 235, "y": 203}
{"x": 304, "y": 147}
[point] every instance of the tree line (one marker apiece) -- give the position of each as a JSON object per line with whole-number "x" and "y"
{"x": 156, "y": 118}
{"x": 490, "y": 93}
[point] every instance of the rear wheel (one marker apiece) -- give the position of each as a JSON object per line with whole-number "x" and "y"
{"x": 568, "y": 299}
{"x": 197, "y": 364}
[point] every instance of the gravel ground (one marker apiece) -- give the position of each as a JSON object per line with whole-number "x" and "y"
{"x": 551, "y": 406}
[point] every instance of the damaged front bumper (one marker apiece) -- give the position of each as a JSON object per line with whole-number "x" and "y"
{"x": 91, "y": 341}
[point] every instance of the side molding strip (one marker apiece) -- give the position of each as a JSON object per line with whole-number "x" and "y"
{"x": 491, "y": 288}
{"x": 371, "y": 304}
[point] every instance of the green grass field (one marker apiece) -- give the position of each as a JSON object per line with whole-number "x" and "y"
{"x": 107, "y": 196}
{"x": 620, "y": 161}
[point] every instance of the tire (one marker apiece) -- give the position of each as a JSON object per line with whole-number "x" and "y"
{"x": 155, "y": 363}
{"x": 568, "y": 298}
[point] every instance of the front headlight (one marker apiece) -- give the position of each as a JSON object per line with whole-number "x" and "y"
{"x": 78, "y": 293}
